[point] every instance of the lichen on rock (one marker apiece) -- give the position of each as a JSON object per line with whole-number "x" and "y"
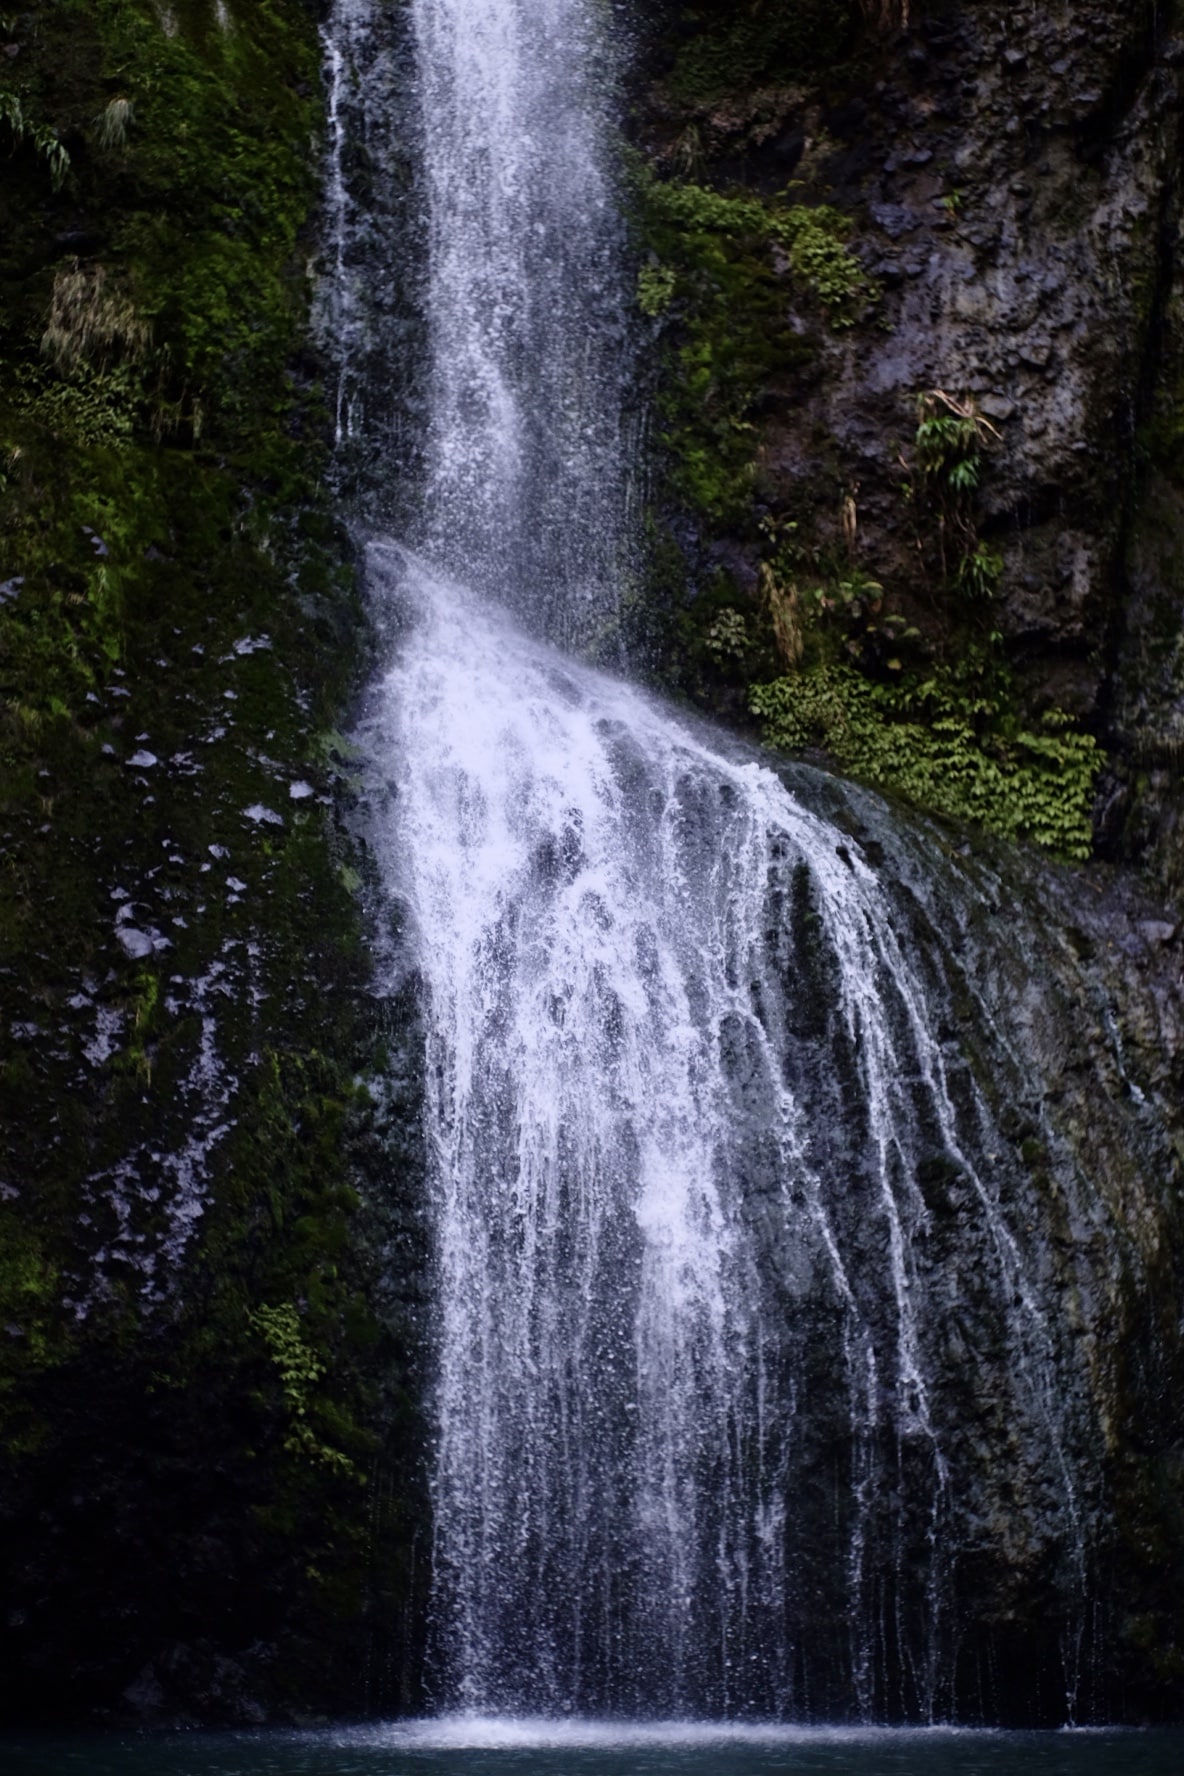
{"x": 189, "y": 1139}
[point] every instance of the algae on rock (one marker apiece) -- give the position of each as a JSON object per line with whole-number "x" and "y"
{"x": 188, "y": 1138}
{"x": 1010, "y": 205}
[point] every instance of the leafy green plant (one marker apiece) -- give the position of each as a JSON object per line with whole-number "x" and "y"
{"x": 655, "y": 289}
{"x": 84, "y": 408}
{"x": 979, "y": 573}
{"x": 299, "y": 1370}
{"x": 40, "y": 137}
{"x": 946, "y": 741}
{"x": 822, "y": 608}
{"x": 820, "y": 261}
{"x": 949, "y": 441}
{"x": 948, "y": 447}
{"x": 849, "y": 616}
{"x": 728, "y": 638}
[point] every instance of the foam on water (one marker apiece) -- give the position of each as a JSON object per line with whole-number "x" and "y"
{"x": 478, "y": 1732}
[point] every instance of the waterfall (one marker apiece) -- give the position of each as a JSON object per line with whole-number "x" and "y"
{"x": 524, "y": 308}
{"x": 684, "y": 1098}
{"x": 703, "y": 1356}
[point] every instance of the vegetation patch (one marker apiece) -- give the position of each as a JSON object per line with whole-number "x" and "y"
{"x": 933, "y": 715}
{"x": 938, "y": 719}
{"x": 949, "y": 741}
{"x": 188, "y": 1150}
{"x": 727, "y": 50}
{"x": 718, "y": 281}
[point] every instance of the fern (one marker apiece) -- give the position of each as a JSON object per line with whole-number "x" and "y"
{"x": 39, "y": 136}
{"x": 944, "y": 745}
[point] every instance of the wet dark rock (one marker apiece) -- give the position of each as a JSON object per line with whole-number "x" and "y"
{"x": 1063, "y": 990}
{"x": 1036, "y": 184}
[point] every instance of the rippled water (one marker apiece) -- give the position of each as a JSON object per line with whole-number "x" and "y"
{"x": 507, "y": 1748}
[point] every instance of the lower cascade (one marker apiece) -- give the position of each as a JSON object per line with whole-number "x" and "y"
{"x": 704, "y": 1442}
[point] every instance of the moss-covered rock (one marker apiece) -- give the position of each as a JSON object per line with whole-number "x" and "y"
{"x": 966, "y": 444}
{"x": 203, "y": 1359}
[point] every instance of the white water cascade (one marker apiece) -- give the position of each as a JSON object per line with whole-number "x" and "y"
{"x": 524, "y": 307}
{"x": 694, "y": 1449}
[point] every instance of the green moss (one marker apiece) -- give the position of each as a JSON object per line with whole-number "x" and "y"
{"x": 712, "y": 283}
{"x": 174, "y": 583}
{"x": 30, "y": 1323}
{"x": 732, "y": 49}
{"x": 813, "y": 238}
{"x": 949, "y": 741}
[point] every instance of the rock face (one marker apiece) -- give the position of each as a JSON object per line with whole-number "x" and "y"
{"x": 1017, "y": 219}
{"x": 202, "y": 1412}
{"x": 1073, "y": 1028}
{"x": 1011, "y": 178}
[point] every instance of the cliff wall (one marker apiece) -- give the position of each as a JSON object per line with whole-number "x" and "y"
{"x": 208, "y": 1444}
{"x": 913, "y": 344}
{"x": 945, "y": 470}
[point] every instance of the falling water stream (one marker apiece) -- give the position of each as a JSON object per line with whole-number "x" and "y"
{"x": 696, "y": 1448}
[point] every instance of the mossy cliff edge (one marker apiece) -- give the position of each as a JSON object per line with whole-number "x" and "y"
{"x": 910, "y": 268}
{"x": 209, "y": 1451}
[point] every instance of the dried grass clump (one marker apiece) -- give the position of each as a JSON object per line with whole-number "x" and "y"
{"x": 92, "y": 321}
{"x": 115, "y": 123}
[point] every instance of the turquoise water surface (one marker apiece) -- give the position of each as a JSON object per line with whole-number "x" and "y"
{"x": 497, "y": 1748}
